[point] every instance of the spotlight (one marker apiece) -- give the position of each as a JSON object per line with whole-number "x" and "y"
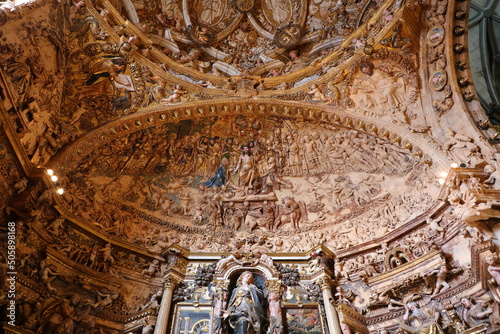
{"x": 463, "y": 165}
{"x": 60, "y": 191}
{"x": 441, "y": 181}
{"x": 54, "y": 178}
{"x": 50, "y": 172}
{"x": 454, "y": 165}
{"x": 443, "y": 174}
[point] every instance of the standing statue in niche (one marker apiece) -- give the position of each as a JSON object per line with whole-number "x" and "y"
{"x": 245, "y": 313}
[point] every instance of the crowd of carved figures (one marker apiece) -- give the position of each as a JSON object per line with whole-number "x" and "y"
{"x": 246, "y": 174}
{"x": 107, "y": 75}
{"x": 416, "y": 297}
{"x": 244, "y": 185}
{"x": 411, "y": 297}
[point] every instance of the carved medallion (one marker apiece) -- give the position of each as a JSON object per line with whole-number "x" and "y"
{"x": 438, "y": 80}
{"x": 243, "y": 6}
{"x": 289, "y": 35}
{"x": 211, "y": 12}
{"x": 201, "y": 34}
{"x": 435, "y": 35}
{"x": 277, "y": 12}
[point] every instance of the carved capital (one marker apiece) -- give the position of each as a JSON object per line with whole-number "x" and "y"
{"x": 274, "y": 286}
{"x": 221, "y": 285}
{"x": 170, "y": 282}
{"x": 324, "y": 282}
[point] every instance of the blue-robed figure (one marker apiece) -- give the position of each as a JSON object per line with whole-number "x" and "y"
{"x": 220, "y": 177}
{"x": 245, "y": 313}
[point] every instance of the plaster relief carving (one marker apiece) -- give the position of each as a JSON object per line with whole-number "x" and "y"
{"x": 245, "y": 169}
{"x": 183, "y": 168}
{"x": 383, "y": 73}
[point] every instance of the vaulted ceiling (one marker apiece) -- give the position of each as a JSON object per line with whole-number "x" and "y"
{"x": 216, "y": 126}
{"x": 135, "y": 105}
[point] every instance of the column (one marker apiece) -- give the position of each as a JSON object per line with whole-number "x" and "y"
{"x": 161, "y": 326}
{"x": 332, "y": 316}
{"x": 274, "y": 292}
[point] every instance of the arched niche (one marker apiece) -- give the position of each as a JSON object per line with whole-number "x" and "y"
{"x": 269, "y": 273}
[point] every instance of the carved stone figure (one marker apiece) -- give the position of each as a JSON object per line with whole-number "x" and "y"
{"x": 60, "y": 316}
{"x": 56, "y": 226}
{"x": 378, "y": 88}
{"x": 262, "y": 257}
{"x": 474, "y": 314}
{"x": 493, "y": 179}
{"x": 494, "y": 268}
{"x": 154, "y": 301}
{"x": 441, "y": 276}
{"x": 148, "y": 326}
{"x": 247, "y": 172}
{"x": 290, "y": 212}
{"x": 434, "y": 225}
{"x": 105, "y": 299}
{"x": 316, "y": 94}
{"x": 152, "y": 269}
{"x": 462, "y": 149}
{"x": 345, "y": 296}
{"x": 21, "y": 185}
{"x": 106, "y": 254}
{"x": 387, "y": 298}
{"x": 47, "y": 275}
{"x": 222, "y": 263}
{"x": 103, "y": 75}
{"x": 421, "y": 320}
{"x": 275, "y": 316}
{"x": 179, "y": 91}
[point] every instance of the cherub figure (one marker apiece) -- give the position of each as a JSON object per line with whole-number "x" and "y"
{"x": 185, "y": 199}
{"x": 21, "y": 185}
{"x": 106, "y": 254}
{"x": 105, "y": 299}
{"x": 47, "y": 275}
{"x": 56, "y": 226}
{"x": 441, "y": 275}
{"x": 166, "y": 205}
{"x": 231, "y": 258}
{"x": 153, "y": 301}
{"x": 179, "y": 91}
{"x": 316, "y": 94}
{"x": 494, "y": 268}
{"x": 264, "y": 258}
{"x": 153, "y": 267}
{"x": 198, "y": 215}
{"x": 434, "y": 225}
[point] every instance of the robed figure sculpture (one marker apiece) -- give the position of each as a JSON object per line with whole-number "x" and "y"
{"x": 245, "y": 312}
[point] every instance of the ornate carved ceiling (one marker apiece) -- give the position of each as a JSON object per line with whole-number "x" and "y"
{"x": 145, "y": 110}
{"x": 191, "y": 176}
{"x": 205, "y": 127}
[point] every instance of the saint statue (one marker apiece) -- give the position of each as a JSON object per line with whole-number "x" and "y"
{"x": 245, "y": 313}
